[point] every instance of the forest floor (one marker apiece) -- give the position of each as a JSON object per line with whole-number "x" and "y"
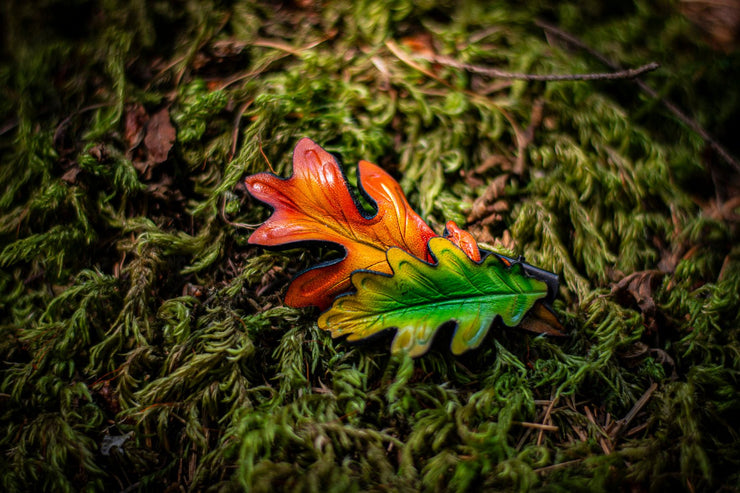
{"x": 145, "y": 345}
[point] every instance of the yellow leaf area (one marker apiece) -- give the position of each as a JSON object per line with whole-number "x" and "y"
{"x": 419, "y": 297}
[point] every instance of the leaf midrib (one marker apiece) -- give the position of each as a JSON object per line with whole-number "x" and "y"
{"x": 445, "y": 303}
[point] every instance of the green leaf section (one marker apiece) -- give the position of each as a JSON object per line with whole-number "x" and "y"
{"x": 420, "y": 297}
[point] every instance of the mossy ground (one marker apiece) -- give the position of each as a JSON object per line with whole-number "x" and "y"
{"x": 144, "y": 343}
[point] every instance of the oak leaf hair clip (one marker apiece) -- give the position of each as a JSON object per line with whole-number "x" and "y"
{"x": 396, "y": 272}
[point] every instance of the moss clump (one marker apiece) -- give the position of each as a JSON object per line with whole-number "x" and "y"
{"x": 144, "y": 344}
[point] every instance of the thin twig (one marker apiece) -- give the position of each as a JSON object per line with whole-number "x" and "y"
{"x": 232, "y": 223}
{"x": 269, "y": 165}
{"x": 677, "y": 112}
{"x": 561, "y": 465}
{"x": 237, "y": 124}
{"x": 503, "y": 74}
{"x": 190, "y": 56}
{"x": 536, "y": 426}
{"x": 286, "y": 51}
{"x": 604, "y": 438}
{"x": 624, "y": 422}
{"x": 546, "y": 418}
{"x": 278, "y": 45}
{"x": 637, "y": 429}
{"x": 399, "y": 53}
{"x": 63, "y": 123}
{"x": 8, "y": 126}
{"x": 524, "y": 139}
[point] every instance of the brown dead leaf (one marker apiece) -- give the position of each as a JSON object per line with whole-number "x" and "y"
{"x": 665, "y": 359}
{"x": 228, "y": 47}
{"x": 526, "y": 137}
{"x": 728, "y": 211}
{"x": 481, "y": 233}
{"x": 473, "y": 178}
{"x": 634, "y": 354}
{"x": 505, "y": 241}
{"x": 160, "y": 136}
{"x": 670, "y": 254}
{"x": 136, "y": 120}
{"x": 270, "y": 280}
{"x": 719, "y": 21}
{"x": 421, "y": 44}
{"x": 70, "y": 176}
{"x": 99, "y": 152}
{"x": 487, "y": 203}
{"x": 164, "y": 190}
{"x": 542, "y": 320}
{"x": 637, "y": 289}
{"x": 107, "y": 394}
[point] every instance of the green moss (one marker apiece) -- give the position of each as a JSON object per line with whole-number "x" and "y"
{"x": 132, "y": 310}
